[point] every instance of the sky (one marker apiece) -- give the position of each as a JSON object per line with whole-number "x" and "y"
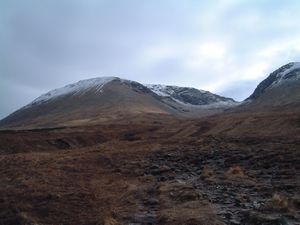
{"x": 223, "y": 46}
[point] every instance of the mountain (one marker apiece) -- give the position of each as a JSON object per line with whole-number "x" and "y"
{"x": 281, "y": 89}
{"x": 87, "y": 101}
{"x": 111, "y": 98}
{"x": 192, "y": 102}
{"x": 104, "y": 99}
{"x": 287, "y": 73}
{"x": 189, "y": 96}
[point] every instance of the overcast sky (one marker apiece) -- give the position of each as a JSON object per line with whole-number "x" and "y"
{"x": 225, "y": 46}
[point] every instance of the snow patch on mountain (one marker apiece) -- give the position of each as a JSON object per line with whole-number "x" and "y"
{"x": 216, "y": 104}
{"x": 158, "y": 89}
{"x": 284, "y": 75}
{"x": 166, "y": 90}
{"x": 281, "y": 76}
{"x": 76, "y": 88}
{"x": 190, "y": 97}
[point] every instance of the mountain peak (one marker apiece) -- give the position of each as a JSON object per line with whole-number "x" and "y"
{"x": 288, "y": 72}
{"x": 76, "y": 88}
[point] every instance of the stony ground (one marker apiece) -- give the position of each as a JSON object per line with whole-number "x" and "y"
{"x": 148, "y": 173}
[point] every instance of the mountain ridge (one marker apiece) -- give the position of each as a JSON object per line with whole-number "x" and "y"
{"x": 279, "y": 91}
{"x": 287, "y": 72}
{"x": 109, "y": 98}
{"x": 188, "y": 95}
{"x": 175, "y": 92}
{"x": 103, "y": 99}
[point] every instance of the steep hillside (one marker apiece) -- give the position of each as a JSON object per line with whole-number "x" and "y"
{"x": 280, "y": 90}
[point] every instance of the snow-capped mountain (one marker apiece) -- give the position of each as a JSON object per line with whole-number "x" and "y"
{"x": 189, "y": 96}
{"x": 75, "y": 89}
{"x": 285, "y": 74}
{"x": 103, "y": 99}
{"x": 82, "y": 87}
{"x": 109, "y": 98}
{"x": 182, "y": 95}
{"x": 280, "y": 90}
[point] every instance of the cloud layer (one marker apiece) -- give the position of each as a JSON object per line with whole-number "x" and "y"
{"x": 224, "y": 46}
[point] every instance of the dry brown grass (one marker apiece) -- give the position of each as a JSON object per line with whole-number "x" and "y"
{"x": 103, "y": 173}
{"x": 280, "y": 202}
{"x": 110, "y": 221}
{"x": 235, "y": 171}
{"x": 207, "y": 174}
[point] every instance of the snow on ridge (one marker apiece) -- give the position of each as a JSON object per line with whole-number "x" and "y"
{"x": 282, "y": 75}
{"x": 158, "y": 89}
{"x": 166, "y": 90}
{"x": 75, "y": 88}
{"x": 97, "y": 85}
{"x": 214, "y": 105}
{"x": 169, "y": 91}
{"x": 295, "y": 65}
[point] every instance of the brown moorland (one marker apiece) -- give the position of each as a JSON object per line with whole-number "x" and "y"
{"x": 154, "y": 171}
